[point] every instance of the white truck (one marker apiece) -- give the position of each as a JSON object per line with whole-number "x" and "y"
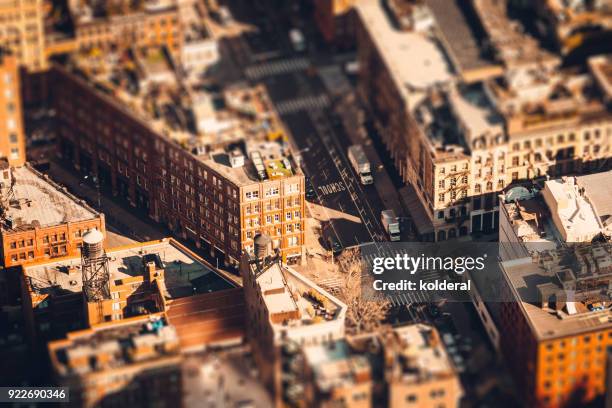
{"x": 361, "y": 164}
{"x": 391, "y": 224}
{"x": 297, "y": 40}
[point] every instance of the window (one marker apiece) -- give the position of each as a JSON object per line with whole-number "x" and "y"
{"x": 440, "y": 214}
{"x": 441, "y": 184}
{"x": 272, "y": 191}
{"x": 441, "y": 197}
{"x": 252, "y": 195}
{"x": 293, "y": 188}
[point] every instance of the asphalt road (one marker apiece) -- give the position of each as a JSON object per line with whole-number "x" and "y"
{"x": 304, "y": 106}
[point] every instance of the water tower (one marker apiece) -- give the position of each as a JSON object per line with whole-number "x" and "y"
{"x": 94, "y": 264}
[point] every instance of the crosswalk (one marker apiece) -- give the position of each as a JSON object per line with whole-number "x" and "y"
{"x": 370, "y": 251}
{"x": 304, "y": 103}
{"x": 272, "y": 68}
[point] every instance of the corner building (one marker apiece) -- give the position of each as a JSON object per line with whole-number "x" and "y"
{"x": 219, "y": 198}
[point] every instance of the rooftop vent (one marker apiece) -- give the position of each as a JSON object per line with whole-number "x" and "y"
{"x": 236, "y": 158}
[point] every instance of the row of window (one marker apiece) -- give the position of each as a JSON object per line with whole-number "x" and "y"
{"x": 29, "y": 255}
{"x": 571, "y": 137}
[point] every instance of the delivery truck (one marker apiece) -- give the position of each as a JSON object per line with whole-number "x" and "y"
{"x": 361, "y": 164}
{"x": 391, "y": 224}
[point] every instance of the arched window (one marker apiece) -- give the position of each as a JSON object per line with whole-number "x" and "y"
{"x": 441, "y": 236}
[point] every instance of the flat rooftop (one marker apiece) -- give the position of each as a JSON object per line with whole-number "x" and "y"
{"x": 184, "y": 274}
{"x": 573, "y": 210}
{"x": 416, "y": 60}
{"x": 601, "y": 68}
{"x": 336, "y": 365}
{"x": 423, "y": 353}
{"x": 460, "y": 40}
{"x": 32, "y": 200}
{"x": 598, "y": 189}
{"x": 114, "y": 346}
{"x": 512, "y": 45}
{"x": 294, "y": 301}
{"x": 524, "y": 276}
{"x": 261, "y": 161}
{"x": 476, "y": 113}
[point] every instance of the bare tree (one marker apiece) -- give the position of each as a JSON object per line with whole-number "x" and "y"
{"x": 365, "y": 310}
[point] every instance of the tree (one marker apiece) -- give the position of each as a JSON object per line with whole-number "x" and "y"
{"x": 366, "y": 310}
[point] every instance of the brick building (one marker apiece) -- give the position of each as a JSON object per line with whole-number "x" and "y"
{"x": 142, "y": 24}
{"x": 12, "y": 138}
{"x": 157, "y": 277}
{"x": 336, "y": 21}
{"x": 135, "y": 363}
{"x": 218, "y": 195}
{"x": 40, "y": 220}
{"x": 550, "y": 314}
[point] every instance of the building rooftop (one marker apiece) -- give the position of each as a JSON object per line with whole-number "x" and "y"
{"x": 476, "y": 114}
{"x": 537, "y": 282}
{"x": 511, "y": 44}
{"x": 570, "y": 17}
{"x": 601, "y": 68}
{"x": 422, "y": 355}
{"x": 31, "y": 200}
{"x": 460, "y": 40}
{"x": 113, "y": 346}
{"x": 251, "y": 162}
{"x": 428, "y": 65}
{"x": 236, "y": 132}
{"x": 336, "y": 365}
{"x": 565, "y": 210}
{"x": 88, "y": 11}
{"x": 573, "y": 215}
{"x": 295, "y": 303}
{"x": 598, "y": 189}
{"x": 183, "y": 272}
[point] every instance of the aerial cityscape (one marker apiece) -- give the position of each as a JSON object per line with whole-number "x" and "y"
{"x": 306, "y": 203}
